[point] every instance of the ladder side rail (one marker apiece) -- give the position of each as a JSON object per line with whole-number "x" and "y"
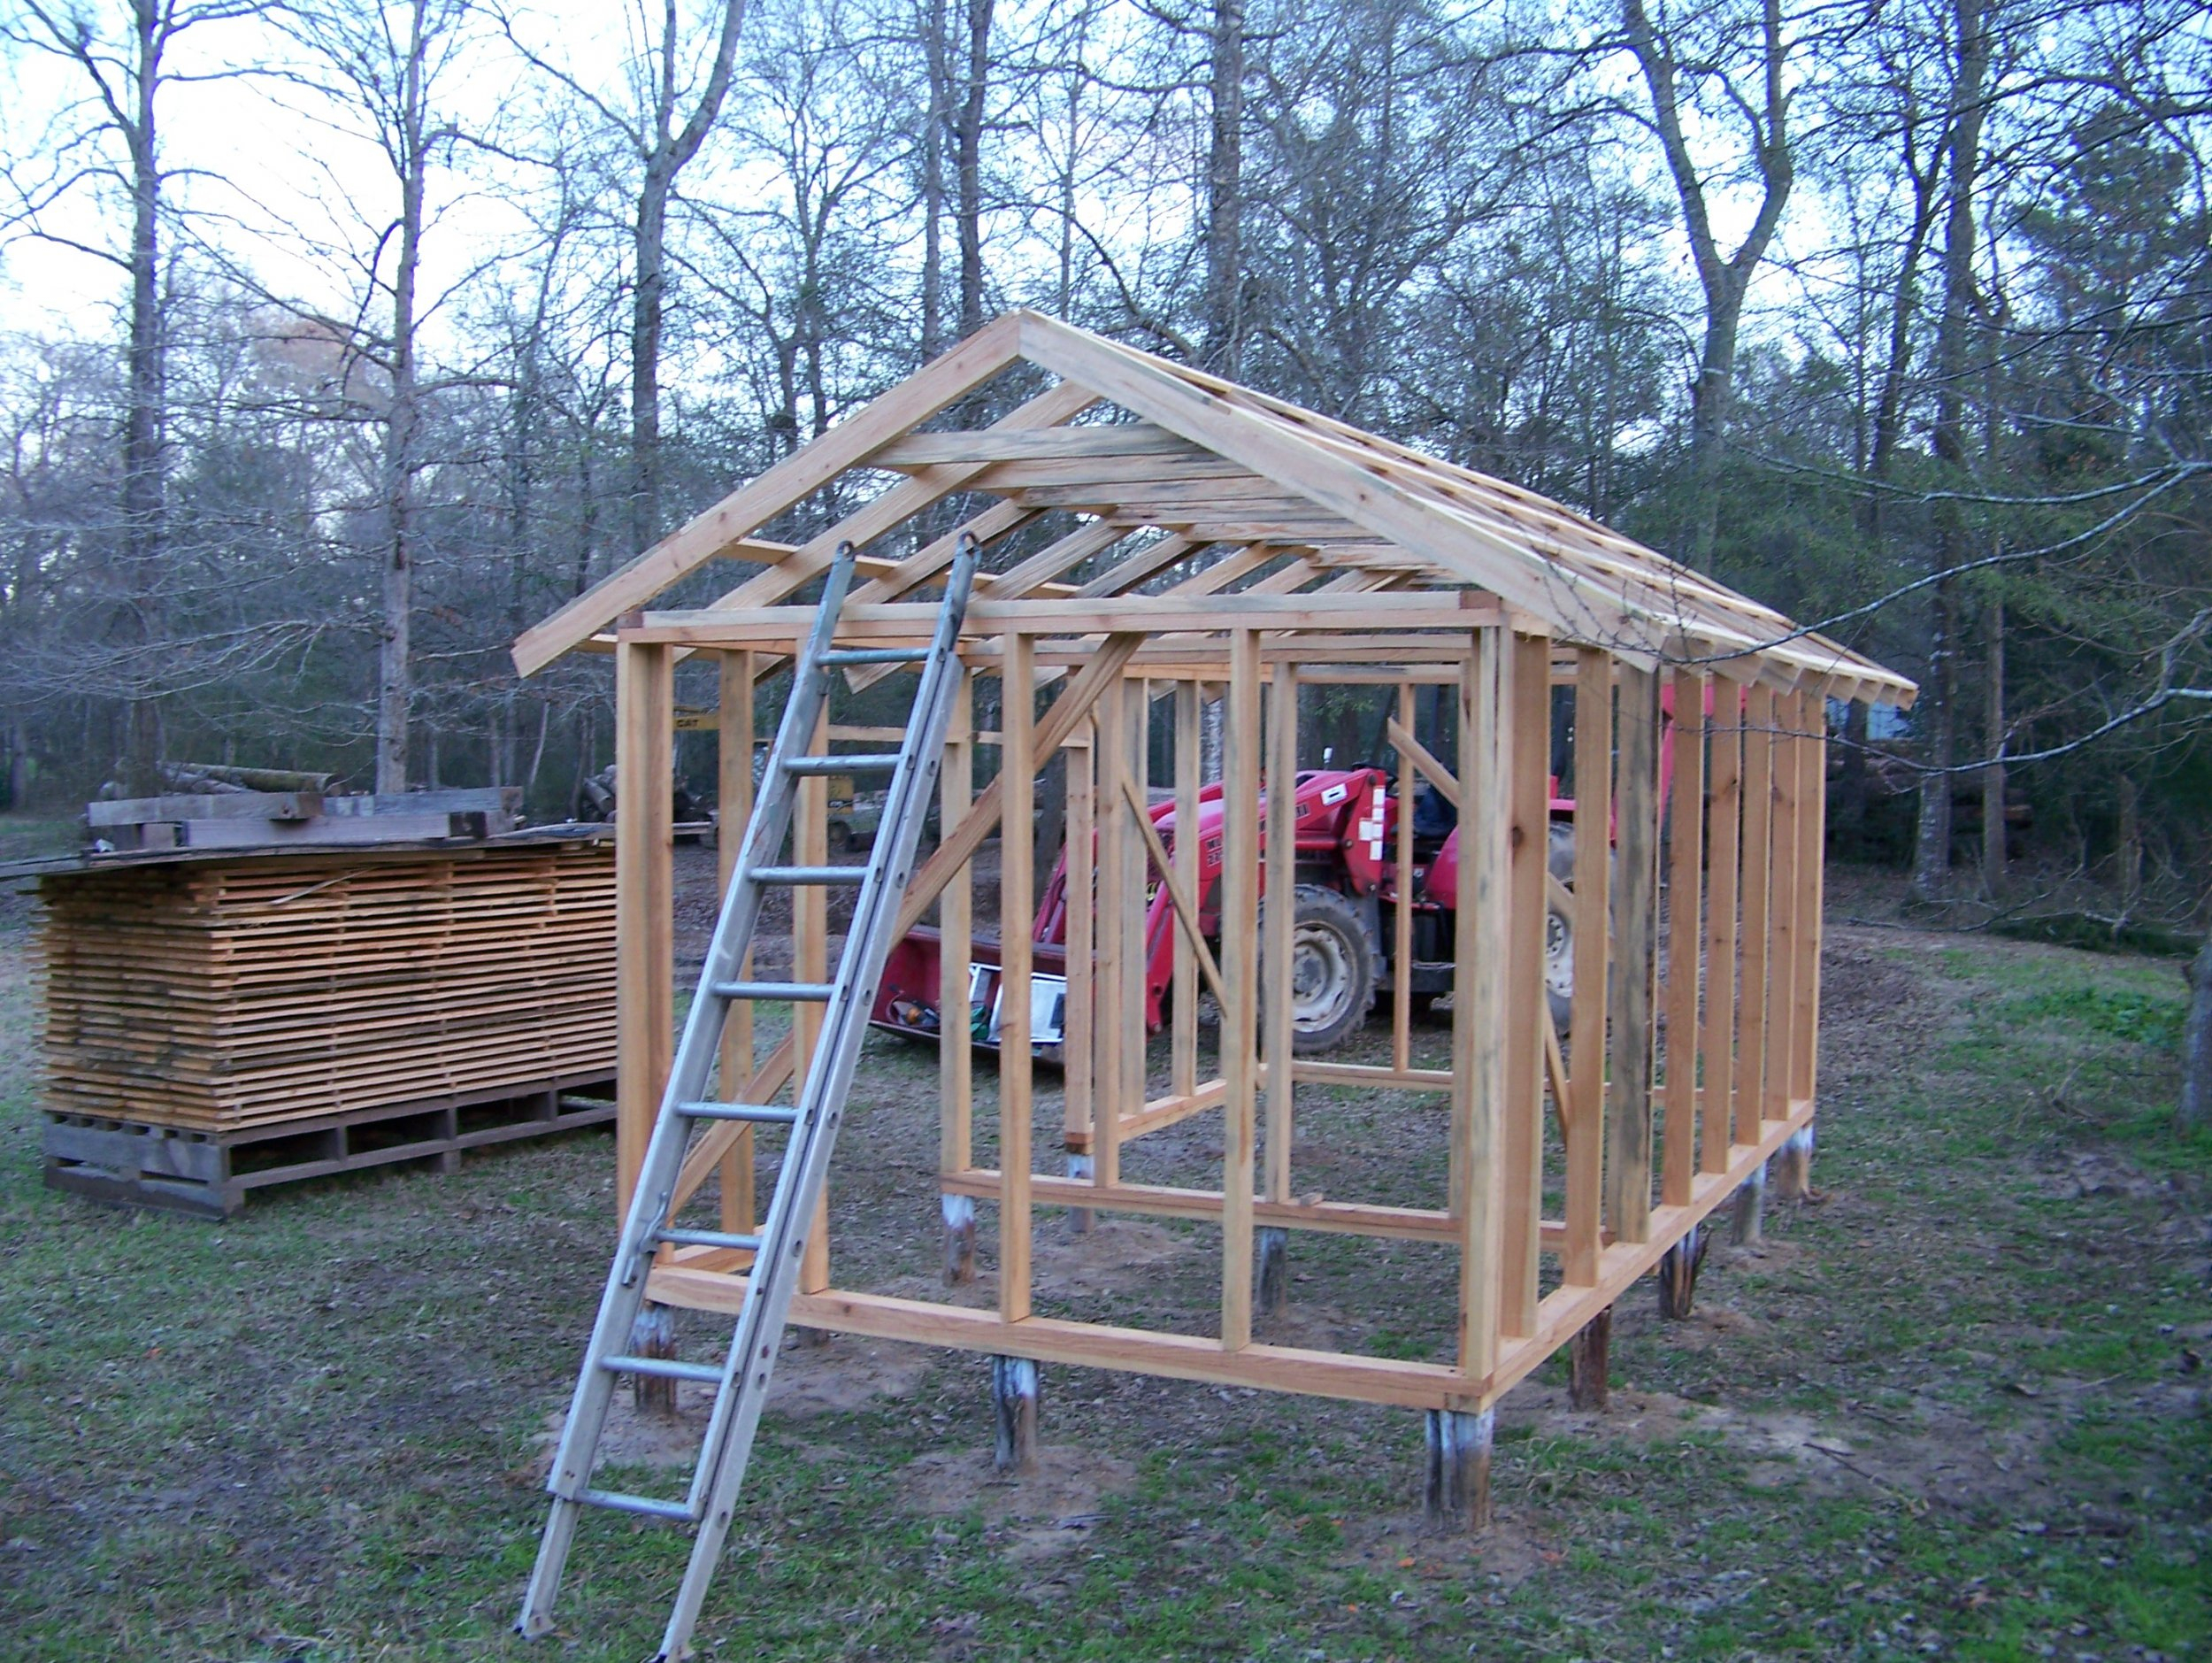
{"x": 860, "y": 966}
{"x": 768, "y": 1291}
{"x": 624, "y": 1294}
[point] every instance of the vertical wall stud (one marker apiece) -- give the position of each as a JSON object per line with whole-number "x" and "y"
{"x": 1016, "y": 903}
{"x": 1686, "y": 809}
{"x": 1239, "y": 932}
{"x": 1076, "y": 1042}
{"x": 1111, "y": 1097}
{"x": 1758, "y": 816}
{"x": 1279, "y": 928}
{"x": 1785, "y": 918}
{"x": 1183, "y": 1042}
{"x": 1723, "y": 820}
{"x": 1401, "y": 915}
{"x": 1594, "y": 818}
{"x": 1523, "y": 1141}
{"x": 1635, "y": 898}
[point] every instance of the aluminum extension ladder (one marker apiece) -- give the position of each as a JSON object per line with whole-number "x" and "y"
{"x": 740, "y": 1381}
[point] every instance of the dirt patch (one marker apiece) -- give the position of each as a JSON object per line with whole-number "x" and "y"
{"x": 1931, "y": 1458}
{"x": 1036, "y": 1515}
{"x": 1633, "y": 1416}
{"x": 632, "y": 1439}
{"x": 1771, "y": 1253}
{"x": 1510, "y": 1550}
{"x": 1113, "y": 1256}
{"x": 845, "y": 1374}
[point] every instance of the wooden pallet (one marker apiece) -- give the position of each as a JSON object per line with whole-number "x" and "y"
{"x": 208, "y": 1175}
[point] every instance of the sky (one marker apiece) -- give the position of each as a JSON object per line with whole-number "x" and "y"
{"x": 268, "y": 173}
{"x": 286, "y": 183}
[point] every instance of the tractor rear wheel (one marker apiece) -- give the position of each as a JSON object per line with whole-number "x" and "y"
{"x": 1332, "y": 969}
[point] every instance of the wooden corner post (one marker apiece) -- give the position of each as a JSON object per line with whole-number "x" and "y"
{"x": 1635, "y": 901}
{"x": 1583, "y": 1116}
{"x": 1522, "y": 1140}
{"x": 1482, "y": 947}
{"x": 645, "y": 957}
{"x": 645, "y": 953}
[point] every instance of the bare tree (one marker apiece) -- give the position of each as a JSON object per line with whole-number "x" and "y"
{"x": 1963, "y": 150}
{"x": 1716, "y": 45}
{"x": 663, "y": 125}
{"x": 379, "y": 70}
{"x": 107, "y": 140}
{"x": 1223, "y": 314}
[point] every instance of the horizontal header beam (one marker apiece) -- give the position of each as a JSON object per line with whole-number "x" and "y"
{"x": 1116, "y": 614}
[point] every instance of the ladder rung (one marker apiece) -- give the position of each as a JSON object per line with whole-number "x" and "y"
{"x": 817, "y": 993}
{"x": 652, "y": 1506}
{"x": 711, "y": 1238}
{"x": 853, "y": 762}
{"x": 662, "y": 1368}
{"x": 809, "y": 875}
{"x": 874, "y": 655}
{"x": 759, "y": 1113}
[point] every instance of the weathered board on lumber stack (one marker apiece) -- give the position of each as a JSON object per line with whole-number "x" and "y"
{"x": 236, "y": 817}
{"x": 229, "y": 993}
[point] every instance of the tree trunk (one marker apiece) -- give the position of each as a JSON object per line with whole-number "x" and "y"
{"x": 647, "y": 312}
{"x": 938, "y": 68}
{"x": 142, "y": 494}
{"x": 1932, "y": 856}
{"x": 666, "y": 150}
{"x": 1710, "y": 402}
{"x": 1994, "y": 739}
{"x": 393, "y": 688}
{"x": 2196, "y": 1043}
{"x": 1725, "y": 280}
{"x": 1224, "y": 192}
{"x": 2128, "y": 857}
{"x": 1931, "y": 846}
{"x": 1847, "y": 828}
{"x": 1889, "y": 408}
{"x": 968, "y": 162}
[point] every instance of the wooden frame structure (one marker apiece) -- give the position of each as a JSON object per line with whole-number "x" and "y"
{"x": 1166, "y": 539}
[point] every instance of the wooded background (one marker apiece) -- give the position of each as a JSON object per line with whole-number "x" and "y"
{"x": 1893, "y": 315}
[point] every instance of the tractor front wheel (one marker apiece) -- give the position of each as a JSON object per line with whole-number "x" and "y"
{"x": 1332, "y": 969}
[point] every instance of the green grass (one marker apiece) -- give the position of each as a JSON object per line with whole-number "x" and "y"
{"x": 306, "y": 1434}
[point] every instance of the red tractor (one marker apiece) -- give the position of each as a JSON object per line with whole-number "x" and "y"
{"x": 1348, "y": 884}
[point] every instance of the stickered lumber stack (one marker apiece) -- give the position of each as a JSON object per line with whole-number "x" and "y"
{"x": 234, "y": 993}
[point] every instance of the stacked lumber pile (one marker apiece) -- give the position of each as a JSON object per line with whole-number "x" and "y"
{"x": 235, "y": 992}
